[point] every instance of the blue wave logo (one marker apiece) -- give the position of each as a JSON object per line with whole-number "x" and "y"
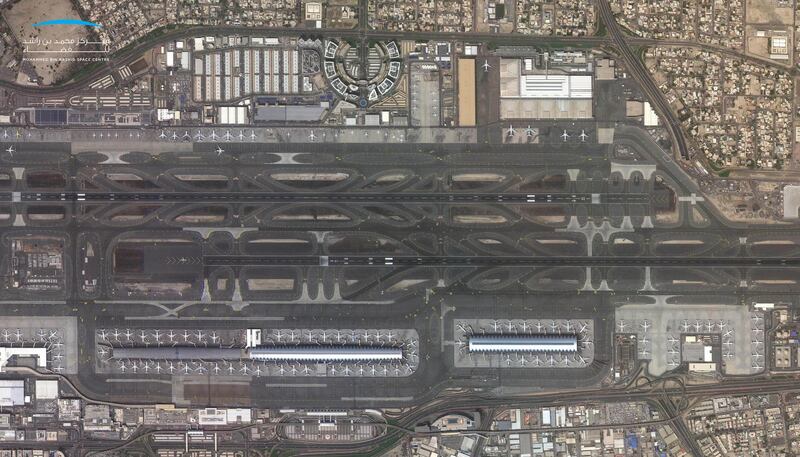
{"x": 67, "y": 22}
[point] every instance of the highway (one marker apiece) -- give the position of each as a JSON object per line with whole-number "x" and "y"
{"x": 643, "y": 78}
{"x": 500, "y": 261}
{"x": 325, "y": 197}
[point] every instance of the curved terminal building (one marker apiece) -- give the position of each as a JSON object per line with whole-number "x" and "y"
{"x": 330, "y": 353}
{"x": 523, "y": 343}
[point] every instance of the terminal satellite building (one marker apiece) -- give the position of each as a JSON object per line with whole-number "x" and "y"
{"x": 527, "y": 92}
{"x": 523, "y": 343}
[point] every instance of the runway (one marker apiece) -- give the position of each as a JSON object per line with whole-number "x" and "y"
{"x": 326, "y": 197}
{"x": 500, "y": 261}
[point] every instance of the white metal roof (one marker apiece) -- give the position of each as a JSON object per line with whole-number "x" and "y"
{"x": 329, "y": 353}
{"x": 523, "y": 343}
{"x": 555, "y": 86}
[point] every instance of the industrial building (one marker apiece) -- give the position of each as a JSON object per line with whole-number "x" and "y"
{"x": 523, "y": 343}
{"x": 527, "y": 92}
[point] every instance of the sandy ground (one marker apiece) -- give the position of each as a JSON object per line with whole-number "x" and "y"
{"x": 20, "y": 18}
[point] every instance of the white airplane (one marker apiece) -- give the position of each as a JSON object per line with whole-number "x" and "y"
{"x": 539, "y": 326}
{"x": 757, "y": 318}
{"x": 214, "y": 337}
{"x": 565, "y": 135}
{"x": 241, "y": 135}
{"x": 536, "y": 361}
{"x": 311, "y": 136}
{"x": 644, "y": 353}
{"x": 171, "y": 335}
{"x": 252, "y": 135}
{"x": 524, "y": 326}
{"x": 214, "y": 135}
{"x": 18, "y": 335}
{"x": 162, "y": 136}
{"x": 5, "y": 134}
{"x": 372, "y": 370}
{"x": 697, "y": 326}
{"x": 510, "y": 131}
{"x": 186, "y": 136}
{"x": 495, "y": 325}
{"x": 186, "y": 369}
{"x": 219, "y": 151}
{"x": 102, "y": 351}
{"x": 103, "y": 335}
{"x": 245, "y": 369}
{"x": 529, "y": 131}
{"x": 6, "y": 335}
{"x": 199, "y": 136}
{"x": 673, "y": 351}
{"x": 200, "y": 335}
{"x": 186, "y": 335}
{"x": 347, "y": 370}
{"x": 685, "y": 326}
{"x": 645, "y": 325}
{"x": 709, "y": 326}
{"x": 128, "y": 334}
{"x": 568, "y": 326}
{"x": 174, "y": 136}
{"x": 227, "y": 136}
{"x": 306, "y": 370}
{"x": 146, "y": 367}
{"x": 486, "y": 66}
{"x": 334, "y": 370}
{"x": 170, "y": 367}
{"x": 621, "y": 325}
{"x": 728, "y": 333}
{"x": 291, "y": 335}
{"x": 727, "y": 343}
{"x": 554, "y": 326}
{"x": 122, "y": 367}
{"x": 583, "y": 136}
{"x": 672, "y": 340}
{"x": 278, "y": 335}
{"x": 673, "y": 363}
{"x": 10, "y": 150}
{"x": 143, "y": 336}
{"x": 157, "y": 336}
{"x": 281, "y": 370}
{"x": 293, "y": 370}
{"x": 116, "y": 334}
{"x": 722, "y": 324}
{"x": 508, "y": 360}
{"x": 230, "y": 368}
{"x": 584, "y": 326}
{"x": 257, "y": 371}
